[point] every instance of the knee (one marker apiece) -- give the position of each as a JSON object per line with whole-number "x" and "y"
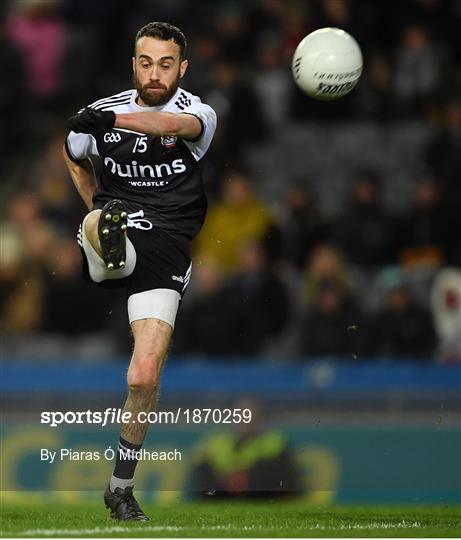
{"x": 143, "y": 375}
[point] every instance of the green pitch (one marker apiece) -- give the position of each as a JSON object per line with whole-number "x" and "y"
{"x": 233, "y": 520}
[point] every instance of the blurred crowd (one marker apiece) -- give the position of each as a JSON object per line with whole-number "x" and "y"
{"x": 300, "y": 283}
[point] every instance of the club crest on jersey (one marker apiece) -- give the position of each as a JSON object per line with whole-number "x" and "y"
{"x": 169, "y": 141}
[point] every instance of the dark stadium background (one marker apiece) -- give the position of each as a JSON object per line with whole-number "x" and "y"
{"x": 326, "y": 286}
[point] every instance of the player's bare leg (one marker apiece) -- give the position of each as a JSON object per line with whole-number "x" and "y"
{"x": 151, "y": 341}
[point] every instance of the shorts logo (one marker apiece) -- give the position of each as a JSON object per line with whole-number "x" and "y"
{"x": 169, "y": 141}
{"x": 183, "y": 279}
{"x": 112, "y": 137}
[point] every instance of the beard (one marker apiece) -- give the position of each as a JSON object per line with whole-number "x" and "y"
{"x": 159, "y": 98}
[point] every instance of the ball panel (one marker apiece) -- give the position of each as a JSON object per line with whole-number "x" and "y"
{"x": 327, "y": 64}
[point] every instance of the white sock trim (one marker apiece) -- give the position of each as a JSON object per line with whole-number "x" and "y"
{"x": 121, "y": 483}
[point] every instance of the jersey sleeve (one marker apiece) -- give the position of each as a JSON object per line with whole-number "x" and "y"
{"x": 207, "y": 118}
{"x": 79, "y": 146}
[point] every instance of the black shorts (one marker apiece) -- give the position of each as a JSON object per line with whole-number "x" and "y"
{"x": 162, "y": 262}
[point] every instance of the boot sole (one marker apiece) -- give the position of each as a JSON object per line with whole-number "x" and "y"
{"x": 112, "y": 227}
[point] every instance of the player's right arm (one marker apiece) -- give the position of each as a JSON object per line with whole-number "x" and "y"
{"x": 82, "y": 175}
{"x": 76, "y": 151}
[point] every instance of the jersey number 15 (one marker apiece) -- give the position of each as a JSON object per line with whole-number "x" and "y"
{"x": 140, "y": 145}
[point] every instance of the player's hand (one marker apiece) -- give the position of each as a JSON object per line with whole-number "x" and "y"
{"x": 91, "y": 121}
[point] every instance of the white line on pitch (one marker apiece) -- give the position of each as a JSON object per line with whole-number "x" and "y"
{"x": 373, "y": 525}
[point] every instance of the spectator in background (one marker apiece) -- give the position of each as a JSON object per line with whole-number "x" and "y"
{"x": 296, "y": 24}
{"x": 325, "y": 264}
{"x": 14, "y": 106}
{"x": 446, "y": 312}
{"x": 239, "y": 111}
{"x": 65, "y": 291}
{"x": 272, "y": 80}
{"x": 266, "y": 18}
{"x": 443, "y": 152}
{"x": 332, "y": 325}
{"x": 443, "y": 155}
{"x": 305, "y": 226}
{"x": 331, "y": 322}
{"x": 440, "y": 16}
{"x": 402, "y": 327}
{"x": 36, "y": 29}
{"x": 21, "y": 286}
{"x": 259, "y": 302}
{"x": 417, "y": 70}
{"x": 333, "y": 13}
{"x": 238, "y": 218}
{"x": 26, "y": 241}
{"x": 374, "y": 93}
{"x": 233, "y": 32}
{"x": 60, "y": 203}
{"x": 364, "y": 233}
{"x": 233, "y": 94}
{"x": 425, "y": 233}
{"x": 206, "y": 51}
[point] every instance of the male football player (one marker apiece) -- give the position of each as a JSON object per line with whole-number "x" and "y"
{"x": 148, "y": 202}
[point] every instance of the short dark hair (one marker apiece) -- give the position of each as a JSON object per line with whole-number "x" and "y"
{"x": 165, "y": 32}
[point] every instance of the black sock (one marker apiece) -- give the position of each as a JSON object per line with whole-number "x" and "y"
{"x": 125, "y": 465}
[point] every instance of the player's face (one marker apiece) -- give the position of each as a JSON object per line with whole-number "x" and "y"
{"x": 157, "y": 69}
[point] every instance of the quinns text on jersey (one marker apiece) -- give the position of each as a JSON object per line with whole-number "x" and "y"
{"x": 135, "y": 170}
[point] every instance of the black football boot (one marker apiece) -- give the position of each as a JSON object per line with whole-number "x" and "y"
{"x": 123, "y": 505}
{"x": 112, "y": 228}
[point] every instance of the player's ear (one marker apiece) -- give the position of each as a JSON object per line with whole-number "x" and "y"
{"x": 183, "y": 68}
{"x": 133, "y": 63}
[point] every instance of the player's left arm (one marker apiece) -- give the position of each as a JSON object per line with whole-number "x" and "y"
{"x": 161, "y": 124}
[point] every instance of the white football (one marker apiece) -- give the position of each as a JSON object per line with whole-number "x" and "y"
{"x": 327, "y": 63}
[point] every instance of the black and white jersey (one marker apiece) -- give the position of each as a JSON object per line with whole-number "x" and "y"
{"x": 158, "y": 178}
